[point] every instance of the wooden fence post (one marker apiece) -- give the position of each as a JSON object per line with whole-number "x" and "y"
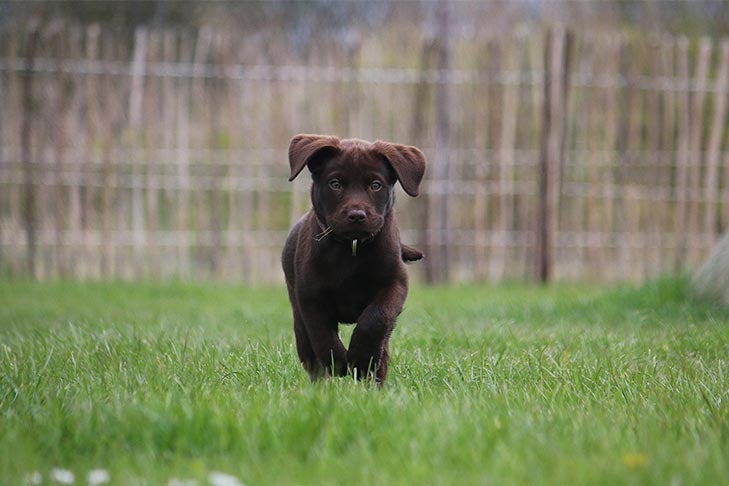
{"x": 417, "y": 136}
{"x": 714, "y": 146}
{"x": 137, "y": 68}
{"x": 511, "y": 55}
{"x": 59, "y": 137}
{"x": 26, "y": 127}
{"x": 551, "y": 149}
{"x": 682, "y": 152}
{"x": 695, "y": 149}
{"x": 437, "y": 265}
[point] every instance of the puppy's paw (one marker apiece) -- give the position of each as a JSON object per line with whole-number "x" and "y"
{"x": 361, "y": 365}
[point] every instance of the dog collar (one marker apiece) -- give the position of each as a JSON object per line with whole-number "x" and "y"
{"x": 327, "y": 230}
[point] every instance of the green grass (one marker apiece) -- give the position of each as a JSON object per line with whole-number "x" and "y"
{"x": 511, "y": 384}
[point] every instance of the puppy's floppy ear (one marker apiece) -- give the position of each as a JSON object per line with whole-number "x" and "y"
{"x": 409, "y": 164}
{"x": 304, "y": 148}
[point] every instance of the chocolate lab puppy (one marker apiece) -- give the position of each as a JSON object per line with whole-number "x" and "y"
{"x": 343, "y": 260}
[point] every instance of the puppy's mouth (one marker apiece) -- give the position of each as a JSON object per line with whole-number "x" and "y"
{"x": 355, "y": 235}
{"x": 348, "y": 231}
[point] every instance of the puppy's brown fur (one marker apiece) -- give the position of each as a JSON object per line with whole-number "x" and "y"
{"x": 343, "y": 260}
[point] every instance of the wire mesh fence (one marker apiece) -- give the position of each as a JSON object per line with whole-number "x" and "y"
{"x": 163, "y": 154}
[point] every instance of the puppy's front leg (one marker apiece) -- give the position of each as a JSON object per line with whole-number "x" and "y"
{"x": 368, "y": 350}
{"x": 324, "y": 338}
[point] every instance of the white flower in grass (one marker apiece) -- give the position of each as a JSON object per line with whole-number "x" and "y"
{"x": 181, "y": 482}
{"x": 98, "y": 476}
{"x": 34, "y": 478}
{"x": 221, "y": 479}
{"x": 63, "y": 476}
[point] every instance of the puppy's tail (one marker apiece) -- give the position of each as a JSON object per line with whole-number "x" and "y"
{"x": 410, "y": 254}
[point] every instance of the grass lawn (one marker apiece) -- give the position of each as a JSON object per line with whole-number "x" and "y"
{"x": 511, "y": 384}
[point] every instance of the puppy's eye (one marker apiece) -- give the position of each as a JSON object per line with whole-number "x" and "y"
{"x": 376, "y": 185}
{"x": 335, "y": 184}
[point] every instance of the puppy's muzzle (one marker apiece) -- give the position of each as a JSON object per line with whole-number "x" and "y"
{"x": 356, "y": 216}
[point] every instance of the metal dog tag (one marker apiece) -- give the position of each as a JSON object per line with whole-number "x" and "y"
{"x": 354, "y": 247}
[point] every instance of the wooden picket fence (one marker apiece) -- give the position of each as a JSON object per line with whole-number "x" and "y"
{"x": 553, "y": 154}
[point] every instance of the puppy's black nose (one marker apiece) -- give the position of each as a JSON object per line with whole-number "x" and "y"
{"x": 356, "y": 215}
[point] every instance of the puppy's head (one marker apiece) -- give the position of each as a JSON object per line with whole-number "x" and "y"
{"x": 354, "y": 179}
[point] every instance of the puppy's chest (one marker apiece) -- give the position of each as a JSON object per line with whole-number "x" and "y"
{"x": 350, "y": 290}
{"x": 350, "y": 298}
{"x": 349, "y": 283}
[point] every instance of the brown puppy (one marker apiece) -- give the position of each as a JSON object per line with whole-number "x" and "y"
{"x": 343, "y": 260}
